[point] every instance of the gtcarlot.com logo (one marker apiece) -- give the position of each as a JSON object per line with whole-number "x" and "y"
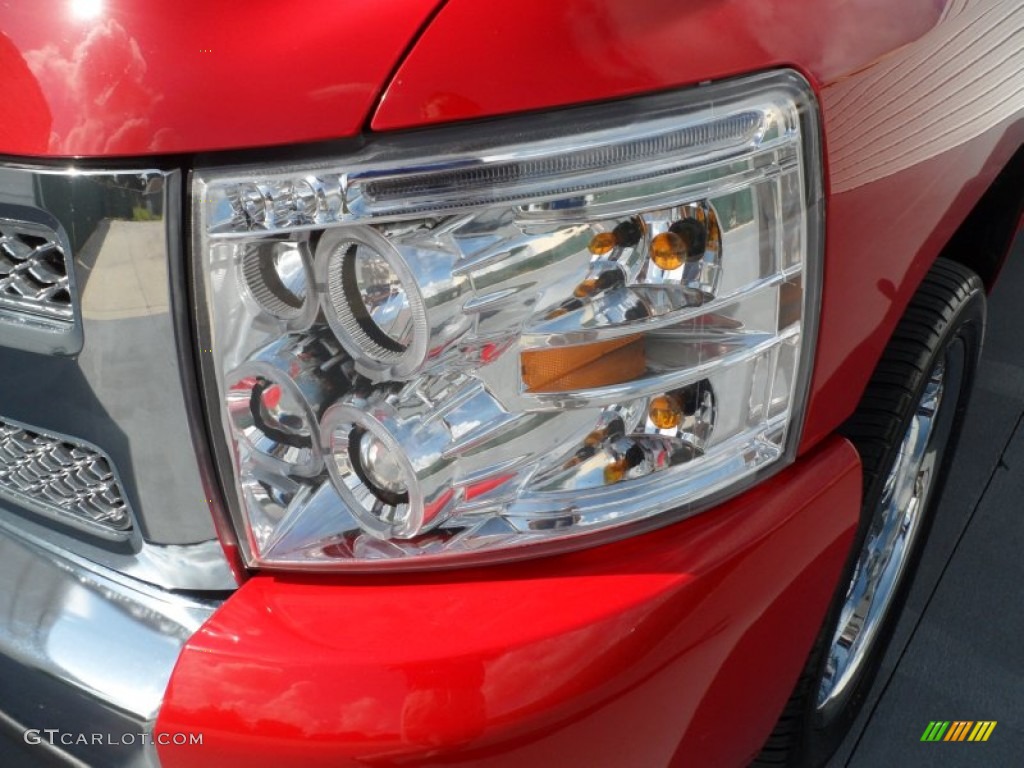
{"x": 958, "y": 730}
{"x": 58, "y": 738}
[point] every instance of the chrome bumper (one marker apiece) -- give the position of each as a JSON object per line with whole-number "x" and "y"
{"x": 85, "y": 655}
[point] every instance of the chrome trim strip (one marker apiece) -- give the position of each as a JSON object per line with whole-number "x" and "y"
{"x": 198, "y": 567}
{"x": 189, "y": 363}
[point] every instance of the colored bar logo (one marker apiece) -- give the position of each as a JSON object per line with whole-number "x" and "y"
{"x": 958, "y": 730}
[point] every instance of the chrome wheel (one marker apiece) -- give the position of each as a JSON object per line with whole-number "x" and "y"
{"x": 894, "y": 528}
{"x": 905, "y": 431}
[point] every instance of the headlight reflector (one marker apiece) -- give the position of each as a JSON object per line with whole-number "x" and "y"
{"x": 371, "y": 300}
{"x": 277, "y": 276}
{"x": 500, "y": 342}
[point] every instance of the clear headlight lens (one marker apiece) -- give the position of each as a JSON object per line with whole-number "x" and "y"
{"x": 460, "y": 342}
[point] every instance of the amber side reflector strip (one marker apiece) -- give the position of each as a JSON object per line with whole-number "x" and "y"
{"x": 585, "y": 366}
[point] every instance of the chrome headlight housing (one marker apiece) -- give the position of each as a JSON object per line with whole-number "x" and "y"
{"x": 482, "y": 341}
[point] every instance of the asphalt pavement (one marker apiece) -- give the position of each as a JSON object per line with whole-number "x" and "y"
{"x": 958, "y": 653}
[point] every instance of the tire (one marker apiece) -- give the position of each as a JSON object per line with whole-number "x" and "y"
{"x": 928, "y": 367}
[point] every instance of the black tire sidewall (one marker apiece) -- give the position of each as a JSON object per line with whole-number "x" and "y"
{"x": 822, "y": 737}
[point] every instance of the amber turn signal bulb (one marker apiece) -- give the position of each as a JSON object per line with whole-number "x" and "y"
{"x": 616, "y": 471}
{"x": 625, "y": 235}
{"x": 602, "y": 243}
{"x": 686, "y": 240}
{"x": 694, "y": 234}
{"x": 668, "y": 251}
{"x": 665, "y": 412}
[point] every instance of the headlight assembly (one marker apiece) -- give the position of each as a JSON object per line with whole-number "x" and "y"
{"x": 485, "y": 341}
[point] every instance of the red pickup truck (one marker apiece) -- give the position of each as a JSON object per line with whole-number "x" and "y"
{"x": 423, "y": 383}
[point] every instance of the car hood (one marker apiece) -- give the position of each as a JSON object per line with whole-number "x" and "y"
{"x": 130, "y": 77}
{"x": 538, "y": 54}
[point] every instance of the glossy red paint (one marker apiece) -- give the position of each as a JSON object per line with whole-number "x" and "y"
{"x": 914, "y": 140}
{"x": 535, "y": 54}
{"x": 121, "y": 77}
{"x": 918, "y": 99}
{"x": 200, "y": 77}
{"x": 675, "y": 647}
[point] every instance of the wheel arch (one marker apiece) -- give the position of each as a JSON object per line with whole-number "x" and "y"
{"x": 983, "y": 240}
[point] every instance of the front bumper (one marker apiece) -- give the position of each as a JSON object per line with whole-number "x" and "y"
{"x": 85, "y": 656}
{"x": 678, "y": 646}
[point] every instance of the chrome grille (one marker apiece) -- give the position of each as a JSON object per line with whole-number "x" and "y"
{"x": 34, "y": 271}
{"x": 62, "y": 479}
